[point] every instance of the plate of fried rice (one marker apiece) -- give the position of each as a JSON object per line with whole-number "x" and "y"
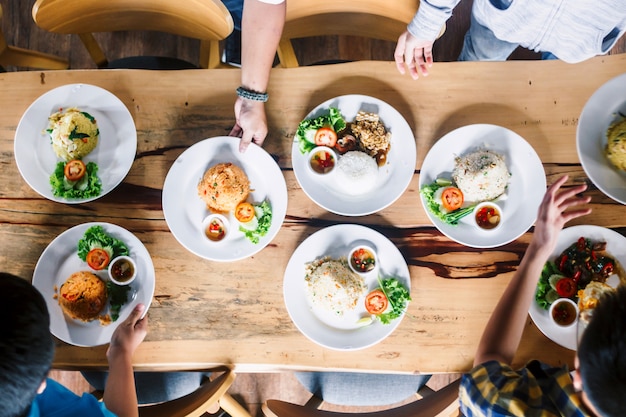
{"x": 325, "y": 299}
{"x": 514, "y": 179}
{"x": 212, "y": 177}
{"x": 357, "y": 188}
{"x": 59, "y": 267}
{"x": 39, "y": 146}
{"x": 601, "y": 138}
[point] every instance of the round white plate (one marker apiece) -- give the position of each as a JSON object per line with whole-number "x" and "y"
{"x": 615, "y": 247}
{"x": 60, "y": 260}
{"x": 393, "y": 177}
{"x": 184, "y": 210}
{"x": 520, "y": 201}
{"x": 326, "y": 329}
{"x": 114, "y": 153}
{"x": 600, "y": 111}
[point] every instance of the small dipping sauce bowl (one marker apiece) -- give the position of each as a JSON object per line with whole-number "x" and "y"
{"x": 362, "y": 259}
{"x": 563, "y": 312}
{"x": 122, "y": 270}
{"x": 322, "y": 160}
{"x": 215, "y": 227}
{"x": 488, "y": 216}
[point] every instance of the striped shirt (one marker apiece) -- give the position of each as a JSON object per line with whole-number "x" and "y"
{"x": 537, "y": 390}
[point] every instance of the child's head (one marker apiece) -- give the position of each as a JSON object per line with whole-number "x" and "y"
{"x": 602, "y": 355}
{"x": 26, "y": 346}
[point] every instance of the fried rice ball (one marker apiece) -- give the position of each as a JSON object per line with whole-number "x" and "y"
{"x": 223, "y": 187}
{"x": 83, "y": 296}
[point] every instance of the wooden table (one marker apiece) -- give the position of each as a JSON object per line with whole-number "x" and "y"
{"x": 207, "y": 312}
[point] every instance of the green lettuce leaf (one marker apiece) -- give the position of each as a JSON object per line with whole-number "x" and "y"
{"x": 307, "y": 128}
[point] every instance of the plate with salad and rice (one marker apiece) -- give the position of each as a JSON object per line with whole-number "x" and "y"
{"x": 75, "y": 143}
{"x": 476, "y": 164}
{"x": 221, "y": 204}
{"x": 375, "y": 150}
{"x": 66, "y": 274}
{"x": 586, "y": 262}
{"x": 335, "y": 306}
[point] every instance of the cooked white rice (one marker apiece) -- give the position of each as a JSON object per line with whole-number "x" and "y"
{"x": 356, "y": 173}
{"x": 481, "y": 175}
{"x": 332, "y": 286}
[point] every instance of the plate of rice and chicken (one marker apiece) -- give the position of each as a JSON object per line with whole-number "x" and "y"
{"x": 477, "y": 165}
{"x": 221, "y": 204}
{"x": 375, "y": 150}
{"x": 79, "y": 298}
{"x": 326, "y": 299}
{"x": 601, "y": 138}
{"x": 75, "y": 143}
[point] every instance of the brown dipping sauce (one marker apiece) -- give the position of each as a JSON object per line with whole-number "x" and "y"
{"x": 488, "y": 217}
{"x": 122, "y": 270}
{"x": 322, "y": 161}
{"x": 564, "y": 313}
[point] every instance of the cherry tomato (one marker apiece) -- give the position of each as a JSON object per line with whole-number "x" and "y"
{"x": 325, "y": 136}
{"x": 566, "y": 287}
{"x": 75, "y": 170}
{"x": 97, "y": 259}
{"x": 376, "y": 302}
{"x": 244, "y": 212}
{"x": 452, "y": 198}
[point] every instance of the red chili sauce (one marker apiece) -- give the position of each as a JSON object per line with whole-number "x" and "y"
{"x": 216, "y": 230}
{"x": 362, "y": 260}
{"x": 322, "y": 162}
{"x": 488, "y": 217}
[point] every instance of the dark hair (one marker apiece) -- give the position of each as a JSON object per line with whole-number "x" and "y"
{"x": 26, "y": 346}
{"x": 602, "y": 355}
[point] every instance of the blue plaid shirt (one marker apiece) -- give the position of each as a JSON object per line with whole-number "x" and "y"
{"x": 537, "y": 390}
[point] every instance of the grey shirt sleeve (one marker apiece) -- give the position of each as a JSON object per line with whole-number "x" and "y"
{"x": 430, "y": 17}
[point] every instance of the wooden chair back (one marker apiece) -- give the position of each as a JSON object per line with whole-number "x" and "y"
{"x": 206, "y": 20}
{"x": 375, "y": 19}
{"x": 441, "y": 403}
{"x": 20, "y": 57}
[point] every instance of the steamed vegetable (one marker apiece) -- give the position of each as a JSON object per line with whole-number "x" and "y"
{"x": 308, "y": 128}
{"x": 89, "y": 185}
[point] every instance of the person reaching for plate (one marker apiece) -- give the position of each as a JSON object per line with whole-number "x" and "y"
{"x": 494, "y": 388}
{"x": 27, "y": 350}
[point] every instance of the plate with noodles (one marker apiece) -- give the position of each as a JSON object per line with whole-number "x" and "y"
{"x": 113, "y": 155}
{"x": 342, "y": 325}
{"x": 358, "y": 186}
{"x": 209, "y": 180}
{"x": 60, "y": 260}
{"x": 522, "y": 186}
{"x": 605, "y": 108}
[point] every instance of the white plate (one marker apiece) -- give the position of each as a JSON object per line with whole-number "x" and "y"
{"x": 184, "y": 210}
{"x": 114, "y": 153}
{"x": 328, "y": 330}
{"x": 600, "y": 111}
{"x": 615, "y": 247}
{"x": 60, "y": 259}
{"x": 393, "y": 178}
{"x": 521, "y": 199}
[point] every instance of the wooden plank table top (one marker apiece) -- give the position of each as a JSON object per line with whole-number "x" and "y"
{"x": 206, "y": 312}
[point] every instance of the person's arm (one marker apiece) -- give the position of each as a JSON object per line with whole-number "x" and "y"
{"x": 261, "y": 28}
{"x": 415, "y": 46}
{"x": 503, "y": 333}
{"x": 120, "y": 396}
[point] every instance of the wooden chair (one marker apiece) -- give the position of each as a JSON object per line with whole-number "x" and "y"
{"x": 20, "y": 57}
{"x": 210, "y": 395}
{"x": 376, "y": 19}
{"x": 206, "y": 20}
{"x": 441, "y": 403}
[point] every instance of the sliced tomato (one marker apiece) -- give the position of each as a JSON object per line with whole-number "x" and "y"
{"x": 97, "y": 259}
{"x": 376, "y": 302}
{"x": 452, "y": 198}
{"x": 566, "y": 287}
{"x": 244, "y": 212}
{"x": 325, "y": 136}
{"x": 75, "y": 170}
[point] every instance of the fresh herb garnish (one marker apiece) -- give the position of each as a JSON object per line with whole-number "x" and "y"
{"x": 263, "y": 212}
{"x": 452, "y": 217}
{"x": 88, "y": 186}
{"x": 398, "y": 297}
{"x": 118, "y": 296}
{"x": 307, "y": 128}
{"x": 96, "y": 237}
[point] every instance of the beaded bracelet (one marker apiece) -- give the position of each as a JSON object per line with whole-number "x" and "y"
{"x": 252, "y": 95}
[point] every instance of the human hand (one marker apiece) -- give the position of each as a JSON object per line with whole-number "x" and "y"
{"x": 250, "y": 123}
{"x": 417, "y": 54}
{"x": 556, "y": 209}
{"x": 129, "y": 334}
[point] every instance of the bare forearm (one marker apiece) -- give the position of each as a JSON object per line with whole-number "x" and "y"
{"x": 119, "y": 394}
{"x": 506, "y": 325}
{"x": 262, "y": 27}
